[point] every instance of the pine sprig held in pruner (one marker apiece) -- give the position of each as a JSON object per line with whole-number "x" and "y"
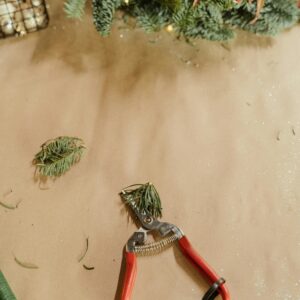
{"x": 58, "y": 156}
{"x": 144, "y": 198}
{"x": 5, "y": 290}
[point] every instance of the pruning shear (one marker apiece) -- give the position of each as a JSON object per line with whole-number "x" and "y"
{"x": 137, "y": 244}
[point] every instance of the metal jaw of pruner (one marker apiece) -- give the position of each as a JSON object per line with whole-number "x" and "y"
{"x": 137, "y": 242}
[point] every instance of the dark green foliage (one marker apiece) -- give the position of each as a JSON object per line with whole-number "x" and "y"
{"x": 205, "y": 21}
{"x": 144, "y": 198}
{"x": 5, "y": 291}
{"x": 58, "y": 156}
{"x": 103, "y": 13}
{"x": 151, "y": 19}
{"x": 148, "y": 16}
{"x": 213, "y": 20}
{"x": 276, "y": 16}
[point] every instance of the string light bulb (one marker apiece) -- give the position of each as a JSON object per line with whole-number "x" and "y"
{"x": 170, "y": 28}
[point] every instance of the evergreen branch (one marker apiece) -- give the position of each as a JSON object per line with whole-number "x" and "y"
{"x": 204, "y": 20}
{"x": 103, "y": 13}
{"x": 208, "y": 19}
{"x": 74, "y": 8}
{"x": 260, "y": 4}
{"x": 275, "y": 16}
{"x": 58, "y": 156}
{"x": 151, "y": 20}
{"x": 144, "y": 198}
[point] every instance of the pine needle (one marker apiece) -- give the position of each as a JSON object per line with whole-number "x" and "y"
{"x": 75, "y": 8}
{"x": 26, "y": 265}
{"x": 8, "y": 206}
{"x": 88, "y": 268}
{"x": 85, "y": 250}
{"x": 5, "y": 290}
{"x": 103, "y": 13}
{"x": 58, "y": 156}
{"x": 144, "y": 197}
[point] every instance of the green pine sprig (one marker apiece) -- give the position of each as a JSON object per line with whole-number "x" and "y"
{"x": 58, "y": 156}
{"x": 74, "y": 8}
{"x": 5, "y": 291}
{"x": 143, "y": 197}
{"x": 103, "y": 14}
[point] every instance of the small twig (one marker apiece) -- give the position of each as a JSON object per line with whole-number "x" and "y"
{"x": 85, "y": 250}
{"x": 196, "y": 2}
{"x": 260, "y": 5}
{"x": 88, "y": 268}
{"x": 8, "y": 206}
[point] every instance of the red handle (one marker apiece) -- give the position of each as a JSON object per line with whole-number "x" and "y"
{"x": 130, "y": 274}
{"x": 201, "y": 265}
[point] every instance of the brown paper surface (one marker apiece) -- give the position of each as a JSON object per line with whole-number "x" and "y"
{"x": 217, "y": 132}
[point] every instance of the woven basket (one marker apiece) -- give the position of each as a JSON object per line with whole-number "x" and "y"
{"x": 19, "y": 17}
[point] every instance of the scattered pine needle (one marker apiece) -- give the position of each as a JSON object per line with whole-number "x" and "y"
{"x": 85, "y": 250}
{"x": 26, "y": 265}
{"x": 8, "y": 206}
{"x": 88, "y": 268}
